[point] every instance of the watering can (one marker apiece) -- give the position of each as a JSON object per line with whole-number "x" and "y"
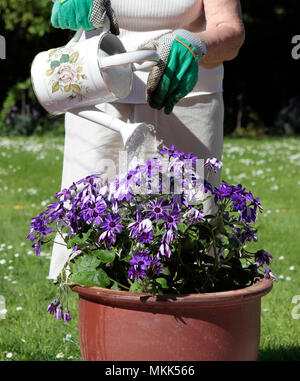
{"x": 76, "y": 77}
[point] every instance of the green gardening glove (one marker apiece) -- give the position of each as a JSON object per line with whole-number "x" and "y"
{"x": 86, "y": 14}
{"x": 177, "y": 71}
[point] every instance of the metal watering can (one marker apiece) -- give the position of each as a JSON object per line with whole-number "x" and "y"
{"x": 76, "y": 77}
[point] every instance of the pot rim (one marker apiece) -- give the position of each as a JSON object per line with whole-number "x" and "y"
{"x": 145, "y": 301}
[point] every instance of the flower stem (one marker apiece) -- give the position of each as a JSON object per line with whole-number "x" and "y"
{"x": 120, "y": 284}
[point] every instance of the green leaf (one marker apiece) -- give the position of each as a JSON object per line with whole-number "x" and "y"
{"x": 64, "y": 58}
{"x": 166, "y": 271}
{"x": 76, "y": 240}
{"x": 76, "y": 88}
{"x": 162, "y": 282}
{"x": 103, "y": 279}
{"x": 54, "y": 64}
{"x": 84, "y": 263}
{"x": 106, "y": 256}
{"x": 136, "y": 286}
{"x": 84, "y": 272}
{"x": 52, "y": 52}
{"x": 49, "y": 72}
{"x": 115, "y": 287}
{"x": 91, "y": 278}
{"x": 55, "y": 87}
{"x": 74, "y": 57}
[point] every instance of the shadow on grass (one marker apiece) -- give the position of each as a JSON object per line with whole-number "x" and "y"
{"x": 282, "y": 353}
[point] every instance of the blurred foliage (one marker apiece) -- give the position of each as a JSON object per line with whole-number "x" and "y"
{"x": 21, "y": 114}
{"x": 26, "y": 17}
{"x": 26, "y": 27}
{"x": 264, "y": 77}
{"x": 258, "y": 85}
{"x": 288, "y": 119}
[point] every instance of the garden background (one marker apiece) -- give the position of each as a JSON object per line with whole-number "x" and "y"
{"x": 261, "y": 150}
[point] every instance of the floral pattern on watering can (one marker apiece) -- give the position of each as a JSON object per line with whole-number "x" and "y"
{"x": 66, "y": 72}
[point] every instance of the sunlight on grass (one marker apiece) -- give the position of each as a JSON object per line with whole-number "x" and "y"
{"x": 30, "y": 173}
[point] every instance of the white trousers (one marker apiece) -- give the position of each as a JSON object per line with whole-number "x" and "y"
{"x": 195, "y": 125}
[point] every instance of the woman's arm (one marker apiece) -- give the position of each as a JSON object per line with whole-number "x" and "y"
{"x": 224, "y": 33}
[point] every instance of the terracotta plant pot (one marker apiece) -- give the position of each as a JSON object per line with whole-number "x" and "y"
{"x": 124, "y": 326}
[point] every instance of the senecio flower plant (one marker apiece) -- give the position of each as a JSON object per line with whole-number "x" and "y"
{"x": 148, "y": 231}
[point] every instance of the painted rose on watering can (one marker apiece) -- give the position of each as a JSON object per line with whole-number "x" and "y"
{"x": 66, "y": 72}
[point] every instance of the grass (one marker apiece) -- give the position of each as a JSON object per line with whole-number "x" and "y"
{"x": 30, "y": 172}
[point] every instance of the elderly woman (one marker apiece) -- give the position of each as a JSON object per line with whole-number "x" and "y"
{"x": 182, "y": 96}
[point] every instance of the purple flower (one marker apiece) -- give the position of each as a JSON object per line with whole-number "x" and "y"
{"x": 248, "y": 234}
{"x": 156, "y": 210}
{"x": 269, "y": 274}
{"x": 239, "y": 198}
{"x": 112, "y": 223}
{"x": 145, "y": 237}
{"x": 263, "y": 258}
{"x": 108, "y": 237}
{"x": 59, "y": 313}
{"x": 195, "y": 215}
{"x": 141, "y": 228}
{"x": 171, "y": 220}
{"x": 238, "y": 202}
{"x": 141, "y": 263}
{"x": 67, "y": 317}
{"x": 39, "y": 226}
{"x": 55, "y": 212}
{"x": 224, "y": 191}
{"x": 37, "y": 247}
{"x": 177, "y": 201}
{"x": 248, "y": 214}
{"x": 38, "y": 231}
{"x": 145, "y": 226}
{"x": 110, "y": 227}
{"x": 93, "y": 211}
{"x": 168, "y": 237}
{"x": 213, "y": 164}
{"x": 164, "y": 250}
{"x": 64, "y": 194}
{"x": 171, "y": 151}
{"x": 89, "y": 179}
{"x": 52, "y": 306}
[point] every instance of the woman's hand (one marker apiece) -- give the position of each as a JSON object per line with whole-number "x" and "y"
{"x": 177, "y": 71}
{"x": 86, "y": 14}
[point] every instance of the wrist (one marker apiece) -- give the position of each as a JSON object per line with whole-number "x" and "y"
{"x": 198, "y": 44}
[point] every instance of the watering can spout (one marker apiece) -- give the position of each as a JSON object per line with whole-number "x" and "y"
{"x": 139, "y": 139}
{"x": 115, "y": 124}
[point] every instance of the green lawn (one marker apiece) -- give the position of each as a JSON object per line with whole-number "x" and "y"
{"x": 30, "y": 172}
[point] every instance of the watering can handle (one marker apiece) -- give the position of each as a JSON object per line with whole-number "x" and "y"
{"x": 78, "y": 34}
{"x": 140, "y": 60}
